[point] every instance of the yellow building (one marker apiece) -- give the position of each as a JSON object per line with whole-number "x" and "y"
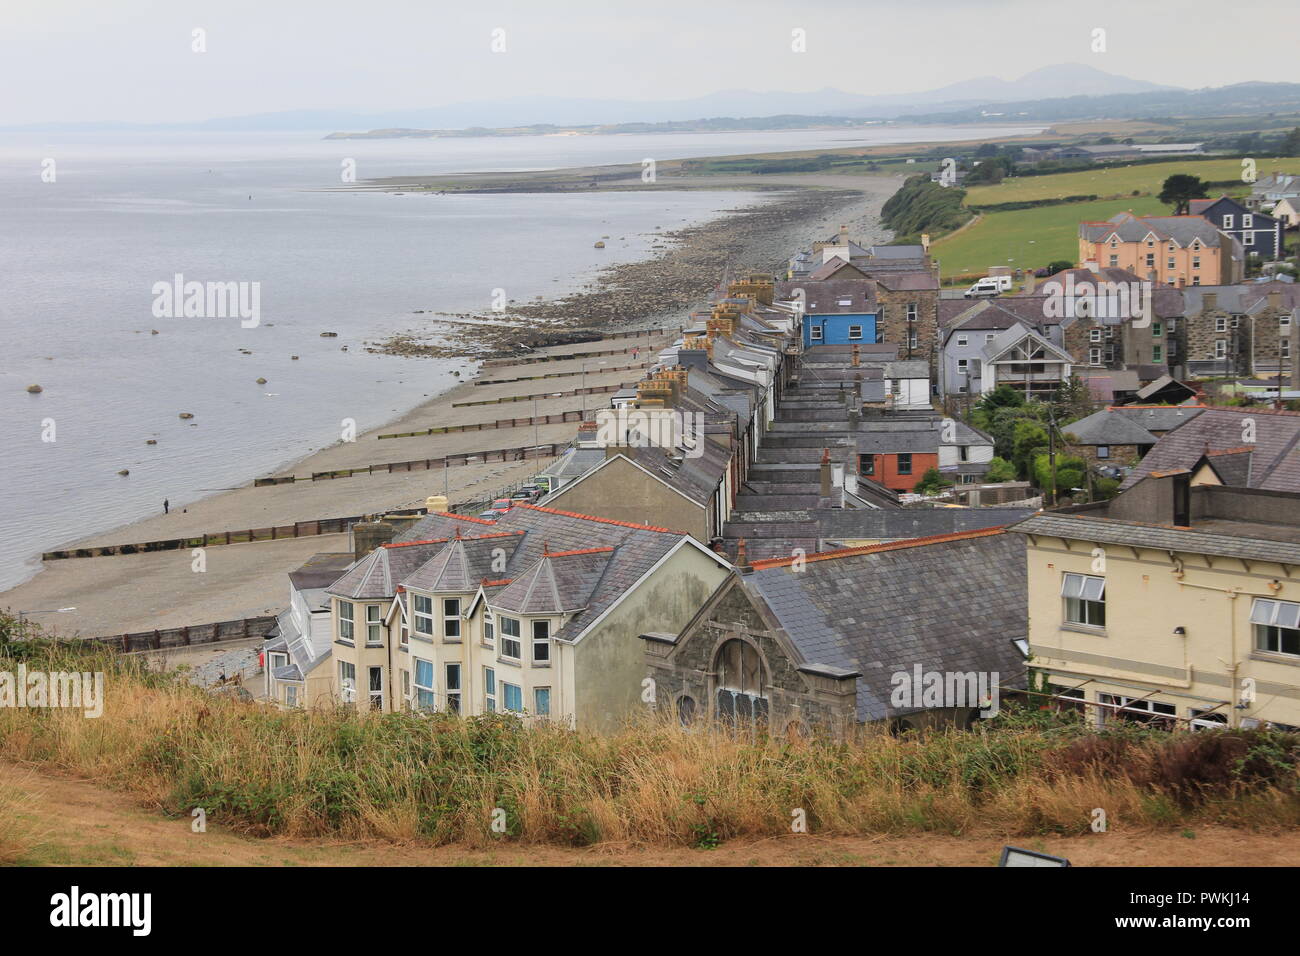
{"x": 1174, "y": 601}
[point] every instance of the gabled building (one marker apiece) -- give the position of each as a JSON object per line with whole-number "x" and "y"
{"x": 834, "y": 640}
{"x": 1173, "y": 602}
{"x": 1172, "y": 250}
{"x": 1267, "y": 192}
{"x": 1022, "y": 359}
{"x": 1259, "y": 233}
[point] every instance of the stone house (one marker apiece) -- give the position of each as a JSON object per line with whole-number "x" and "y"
{"x": 834, "y": 640}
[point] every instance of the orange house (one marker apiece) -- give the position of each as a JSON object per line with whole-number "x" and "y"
{"x": 897, "y": 471}
{"x": 1173, "y": 250}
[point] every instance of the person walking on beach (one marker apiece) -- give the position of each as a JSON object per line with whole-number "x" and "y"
{"x": 166, "y": 506}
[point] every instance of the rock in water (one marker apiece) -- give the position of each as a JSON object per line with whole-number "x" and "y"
{"x": 124, "y": 471}
{"x": 261, "y": 381}
{"x": 600, "y": 245}
{"x": 187, "y": 415}
{"x": 35, "y": 389}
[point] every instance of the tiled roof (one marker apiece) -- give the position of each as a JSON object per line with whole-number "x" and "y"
{"x": 377, "y": 575}
{"x": 464, "y": 562}
{"x": 1275, "y": 461}
{"x": 954, "y": 604}
{"x": 1108, "y": 427}
{"x": 1082, "y": 527}
{"x": 558, "y": 583}
{"x": 1181, "y": 229}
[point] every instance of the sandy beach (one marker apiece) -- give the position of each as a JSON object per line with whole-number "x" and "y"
{"x": 137, "y": 592}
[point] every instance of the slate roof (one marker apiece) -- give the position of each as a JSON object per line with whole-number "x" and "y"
{"x": 1009, "y": 337}
{"x": 830, "y": 267}
{"x": 1131, "y": 228}
{"x": 1108, "y": 427}
{"x": 1158, "y": 418}
{"x": 1083, "y": 527}
{"x": 951, "y": 604}
{"x": 556, "y": 584}
{"x": 462, "y": 563}
{"x": 1275, "y": 459}
{"x": 825, "y": 297}
{"x": 377, "y": 575}
{"x": 543, "y": 531}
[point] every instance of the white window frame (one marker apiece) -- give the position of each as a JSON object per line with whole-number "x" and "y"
{"x": 1270, "y": 615}
{"x": 374, "y": 625}
{"x": 347, "y": 622}
{"x": 855, "y": 332}
{"x": 538, "y": 709}
{"x": 1228, "y": 219}
{"x": 451, "y": 618}
{"x": 1221, "y": 323}
{"x": 814, "y": 333}
{"x": 505, "y": 638}
{"x": 961, "y": 340}
{"x": 452, "y": 672}
{"x": 543, "y": 644}
{"x": 430, "y": 689}
{"x": 375, "y": 696}
{"x": 489, "y": 629}
{"x": 422, "y": 614}
{"x": 490, "y": 690}
{"x": 1083, "y": 600}
{"x": 506, "y": 688}
{"x": 347, "y": 682}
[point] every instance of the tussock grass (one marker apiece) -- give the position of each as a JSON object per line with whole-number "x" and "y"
{"x": 407, "y": 778}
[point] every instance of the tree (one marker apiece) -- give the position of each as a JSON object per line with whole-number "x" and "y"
{"x": 932, "y": 482}
{"x": 1073, "y": 400}
{"x": 1057, "y": 265}
{"x": 1000, "y": 470}
{"x": 1180, "y": 189}
{"x": 1069, "y": 473}
{"x": 1027, "y": 438}
{"x": 1291, "y": 143}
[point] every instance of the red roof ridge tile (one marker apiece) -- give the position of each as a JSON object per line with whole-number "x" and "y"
{"x": 878, "y": 548}
{"x": 575, "y": 514}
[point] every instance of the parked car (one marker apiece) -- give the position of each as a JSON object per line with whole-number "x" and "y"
{"x": 490, "y": 515}
{"x": 522, "y": 495}
{"x": 502, "y": 505}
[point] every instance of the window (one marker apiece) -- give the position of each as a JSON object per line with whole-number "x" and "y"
{"x": 741, "y": 683}
{"x": 866, "y": 464}
{"x": 1171, "y": 264}
{"x": 1085, "y": 599}
{"x": 372, "y": 625}
{"x": 1196, "y": 262}
{"x": 346, "y": 629}
{"x": 1151, "y": 258}
{"x": 490, "y": 690}
{"x": 962, "y": 340}
{"x": 1220, "y": 348}
{"x": 423, "y": 614}
{"x": 541, "y": 642}
{"x": 513, "y": 696}
{"x": 542, "y": 701}
{"x": 1236, "y": 321}
{"x": 1204, "y": 719}
{"x": 1103, "y": 451}
{"x": 489, "y": 628}
{"x": 1221, "y": 324}
{"x": 347, "y": 681}
{"x": 403, "y": 634}
{"x": 1135, "y": 708}
{"x": 406, "y": 686}
{"x": 962, "y": 366}
{"x": 1276, "y": 625}
{"x": 1284, "y": 321}
{"x": 279, "y": 660}
{"x": 1248, "y": 239}
{"x": 1094, "y": 335}
{"x": 1114, "y": 261}
{"x": 963, "y": 452}
{"x": 510, "y": 637}
{"x": 1157, "y": 354}
{"x": 913, "y": 340}
{"x": 1247, "y": 220}
{"x": 911, "y": 311}
{"x": 1094, "y": 356}
{"x": 686, "y": 710}
{"x": 291, "y": 695}
{"x": 376, "y": 683}
{"x": 855, "y": 331}
{"x": 815, "y": 333}
{"x": 1157, "y": 330}
{"x": 426, "y": 696}
{"x": 990, "y": 336}
{"x": 451, "y": 618}
{"x": 1227, "y": 221}
{"x": 904, "y": 464}
{"x": 1171, "y": 326}
{"x": 453, "y": 688}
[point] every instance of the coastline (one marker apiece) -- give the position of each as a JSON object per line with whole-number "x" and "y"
{"x": 159, "y": 589}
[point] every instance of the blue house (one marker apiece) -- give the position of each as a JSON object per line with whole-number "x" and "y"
{"x": 840, "y": 312}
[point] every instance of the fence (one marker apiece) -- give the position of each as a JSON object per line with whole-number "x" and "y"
{"x": 637, "y": 334}
{"x": 570, "y": 416}
{"x": 188, "y": 636}
{"x": 590, "y": 390}
{"x": 299, "y": 529}
{"x": 595, "y": 370}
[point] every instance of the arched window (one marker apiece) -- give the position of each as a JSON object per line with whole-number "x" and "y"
{"x": 686, "y": 710}
{"x": 742, "y": 684}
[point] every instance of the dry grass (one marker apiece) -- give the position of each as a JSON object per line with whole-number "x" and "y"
{"x": 410, "y": 779}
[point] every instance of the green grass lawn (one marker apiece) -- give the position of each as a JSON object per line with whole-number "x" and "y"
{"x": 1030, "y": 238}
{"x": 1121, "y": 180}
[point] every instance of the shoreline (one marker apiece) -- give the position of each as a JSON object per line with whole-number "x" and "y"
{"x": 157, "y": 589}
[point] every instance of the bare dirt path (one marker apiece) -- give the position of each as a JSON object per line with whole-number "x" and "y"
{"x": 75, "y": 822}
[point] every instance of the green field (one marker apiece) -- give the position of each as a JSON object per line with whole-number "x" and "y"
{"x": 1118, "y": 181}
{"x": 1029, "y": 238}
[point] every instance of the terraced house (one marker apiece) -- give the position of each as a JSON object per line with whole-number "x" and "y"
{"x": 1172, "y": 602}
{"x": 536, "y": 613}
{"x": 1173, "y": 250}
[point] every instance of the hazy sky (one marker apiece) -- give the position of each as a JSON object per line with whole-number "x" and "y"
{"x": 91, "y": 60}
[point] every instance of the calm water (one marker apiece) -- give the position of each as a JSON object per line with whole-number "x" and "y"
{"x": 79, "y": 258}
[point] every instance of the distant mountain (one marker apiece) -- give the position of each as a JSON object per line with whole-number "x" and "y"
{"x": 1063, "y": 80}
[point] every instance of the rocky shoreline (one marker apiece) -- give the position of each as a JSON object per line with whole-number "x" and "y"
{"x": 659, "y": 290}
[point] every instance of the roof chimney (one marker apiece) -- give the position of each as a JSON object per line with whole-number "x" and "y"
{"x": 1275, "y": 300}
{"x": 857, "y": 357}
{"x": 368, "y": 535}
{"x": 826, "y": 473}
{"x": 742, "y": 559}
{"x": 1210, "y": 302}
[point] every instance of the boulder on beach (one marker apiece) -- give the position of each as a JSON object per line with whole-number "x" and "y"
{"x": 35, "y": 389}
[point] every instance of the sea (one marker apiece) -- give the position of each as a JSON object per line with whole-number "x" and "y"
{"x": 94, "y": 226}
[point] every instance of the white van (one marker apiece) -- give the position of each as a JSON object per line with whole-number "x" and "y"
{"x": 989, "y": 286}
